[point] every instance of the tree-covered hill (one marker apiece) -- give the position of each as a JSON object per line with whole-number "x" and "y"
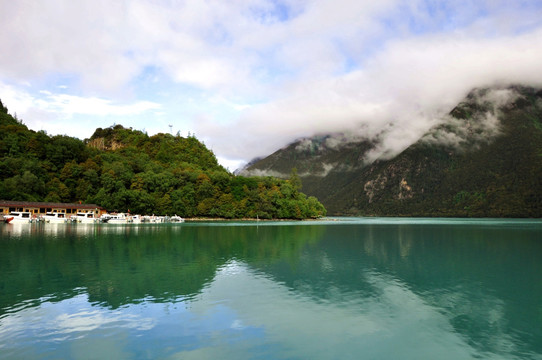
{"x": 126, "y": 170}
{"x": 484, "y": 160}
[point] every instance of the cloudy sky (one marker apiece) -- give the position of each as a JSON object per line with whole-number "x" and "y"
{"x": 249, "y": 76}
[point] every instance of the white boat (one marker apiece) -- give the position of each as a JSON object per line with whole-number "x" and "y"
{"x": 119, "y": 218}
{"x": 137, "y": 219}
{"x": 84, "y": 218}
{"x": 21, "y": 217}
{"x": 155, "y": 219}
{"x": 151, "y": 219}
{"x": 51, "y": 217}
{"x": 176, "y": 219}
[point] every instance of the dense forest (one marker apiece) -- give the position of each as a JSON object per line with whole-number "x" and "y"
{"x": 126, "y": 170}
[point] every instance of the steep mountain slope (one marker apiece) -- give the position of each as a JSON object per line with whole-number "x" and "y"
{"x": 484, "y": 159}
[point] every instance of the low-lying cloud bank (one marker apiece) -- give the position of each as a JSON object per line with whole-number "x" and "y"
{"x": 473, "y": 122}
{"x": 407, "y": 88}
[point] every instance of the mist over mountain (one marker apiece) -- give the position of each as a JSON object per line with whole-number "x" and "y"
{"x": 483, "y": 158}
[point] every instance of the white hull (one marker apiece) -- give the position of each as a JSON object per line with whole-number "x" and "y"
{"x": 20, "y": 221}
{"x": 114, "y": 219}
{"x": 54, "y": 220}
{"x": 117, "y": 221}
{"x": 86, "y": 221}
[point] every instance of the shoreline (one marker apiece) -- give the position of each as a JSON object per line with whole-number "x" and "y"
{"x": 201, "y": 219}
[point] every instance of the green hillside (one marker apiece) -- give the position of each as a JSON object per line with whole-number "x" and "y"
{"x": 124, "y": 170}
{"x": 484, "y": 161}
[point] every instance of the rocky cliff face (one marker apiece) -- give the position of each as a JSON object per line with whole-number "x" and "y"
{"x": 483, "y": 159}
{"x": 103, "y": 144}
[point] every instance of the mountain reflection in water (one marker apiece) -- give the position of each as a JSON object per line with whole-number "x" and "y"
{"x": 355, "y": 288}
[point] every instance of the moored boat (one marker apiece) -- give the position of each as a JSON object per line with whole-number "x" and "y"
{"x": 21, "y": 217}
{"x": 84, "y": 218}
{"x": 119, "y": 218}
{"x": 176, "y": 219}
{"x": 155, "y": 219}
{"x": 136, "y": 219}
{"x": 54, "y": 217}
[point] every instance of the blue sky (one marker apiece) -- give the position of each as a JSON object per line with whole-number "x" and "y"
{"x": 249, "y": 76}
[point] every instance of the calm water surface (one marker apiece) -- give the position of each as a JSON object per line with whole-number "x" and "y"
{"x": 335, "y": 289}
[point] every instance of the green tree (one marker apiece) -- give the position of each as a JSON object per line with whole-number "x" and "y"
{"x": 57, "y": 191}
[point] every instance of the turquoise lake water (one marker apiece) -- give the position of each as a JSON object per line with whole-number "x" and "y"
{"x": 350, "y": 288}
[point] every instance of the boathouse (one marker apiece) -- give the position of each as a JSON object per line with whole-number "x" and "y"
{"x": 40, "y": 208}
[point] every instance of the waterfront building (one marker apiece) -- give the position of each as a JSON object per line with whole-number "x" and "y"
{"x": 42, "y": 208}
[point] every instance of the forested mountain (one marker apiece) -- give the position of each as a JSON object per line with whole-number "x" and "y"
{"x": 483, "y": 160}
{"x": 126, "y": 170}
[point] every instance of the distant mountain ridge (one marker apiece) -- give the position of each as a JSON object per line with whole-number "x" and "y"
{"x": 483, "y": 160}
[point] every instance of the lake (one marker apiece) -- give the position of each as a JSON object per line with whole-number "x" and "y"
{"x": 347, "y": 288}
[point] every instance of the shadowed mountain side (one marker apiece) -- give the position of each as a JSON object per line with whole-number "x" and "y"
{"x": 484, "y": 160}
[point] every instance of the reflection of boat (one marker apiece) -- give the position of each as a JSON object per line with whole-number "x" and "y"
{"x": 21, "y": 217}
{"x": 86, "y": 218}
{"x": 5, "y": 219}
{"x": 51, "y": 217}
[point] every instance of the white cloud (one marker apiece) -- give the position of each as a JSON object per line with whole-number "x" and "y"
{"x": 70, "y": 105}
{"x": 15, "y": 100}
{"x": 404, "y": 90}
{"x": 386, "y": 69}
{"x": 66, "y": 106}
{"x": 231, "y": 165}
{"x": 55, "y": 113}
